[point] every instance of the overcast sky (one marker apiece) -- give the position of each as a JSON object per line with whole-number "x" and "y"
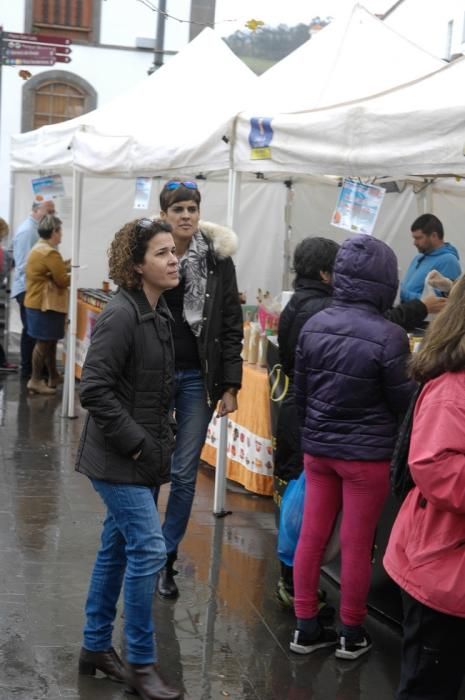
{"x": 289, "y": 12}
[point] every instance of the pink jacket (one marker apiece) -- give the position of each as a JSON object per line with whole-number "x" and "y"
{"x": 426, "y": 551}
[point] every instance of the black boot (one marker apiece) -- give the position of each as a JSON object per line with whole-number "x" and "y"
{"x": 147, "y": 682}
{"x": 106, "y": 661}
{"x": 167, "y": 587}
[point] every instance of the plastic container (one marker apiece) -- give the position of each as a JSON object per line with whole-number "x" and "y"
{"x": 254, "y": 339}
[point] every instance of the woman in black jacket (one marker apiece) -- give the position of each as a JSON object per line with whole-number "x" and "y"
{"x": 208, "y": 344}
{"x": 125, "y": 450}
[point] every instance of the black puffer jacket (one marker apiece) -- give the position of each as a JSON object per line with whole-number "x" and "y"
{"x": 310, "y": 296}
{"x": 350, "y": 374}
{"x": 127, "y": 385}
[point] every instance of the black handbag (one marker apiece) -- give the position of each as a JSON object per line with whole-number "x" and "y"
{"x": 401, "y": 477}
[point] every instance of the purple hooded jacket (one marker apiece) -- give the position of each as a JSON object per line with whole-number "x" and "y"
{"x": 350, "y": 375}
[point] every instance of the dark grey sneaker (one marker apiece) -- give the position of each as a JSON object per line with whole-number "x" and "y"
{"x": 353, "y": 648}
{"x": 303, "y": 645}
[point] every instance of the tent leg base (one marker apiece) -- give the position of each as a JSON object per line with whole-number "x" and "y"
{"x": 222, "y": 513}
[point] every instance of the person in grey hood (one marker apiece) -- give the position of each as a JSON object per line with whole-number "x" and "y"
{"x": 351, "y": 386}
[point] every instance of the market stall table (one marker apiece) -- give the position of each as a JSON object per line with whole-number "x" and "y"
{"x": 89, "y": 305}
{"x": 249, "y": 458}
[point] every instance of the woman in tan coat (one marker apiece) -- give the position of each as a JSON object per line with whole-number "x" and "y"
{"x": 46, "y": 274}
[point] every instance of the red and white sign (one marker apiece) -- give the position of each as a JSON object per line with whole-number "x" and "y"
{"x": 34, "y": 49}
{"x": 28, "y": 51}
{"x": 28, "y": 61}
{"x": 37, "y": 38}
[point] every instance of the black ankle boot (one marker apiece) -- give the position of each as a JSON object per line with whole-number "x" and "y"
{"x": 108, "y": 662}
{"x": 167, "y": 587}
{"x": 147, "y": 682}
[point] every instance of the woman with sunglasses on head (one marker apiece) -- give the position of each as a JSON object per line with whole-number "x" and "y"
{"x": 208, "y": 343}
{"x": 125, "y": 450}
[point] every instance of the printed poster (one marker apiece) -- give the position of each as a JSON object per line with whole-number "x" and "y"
{"x": 142, "y": 194}
{"x": 47, "y": 188}
{"x": 358, "y": 207}
{"x": 260, "y": 137}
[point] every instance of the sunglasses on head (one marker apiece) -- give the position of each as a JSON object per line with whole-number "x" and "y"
{"x": 147, "y": 224}
{"x": 174, "y": 184}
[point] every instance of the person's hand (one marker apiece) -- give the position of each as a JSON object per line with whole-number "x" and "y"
{"x": 439, "y": 282}
{"x": 434, "y": 304}
{"x": 228, "y": 403}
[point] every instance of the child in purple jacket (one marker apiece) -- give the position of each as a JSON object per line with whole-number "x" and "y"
{"x": 351, "y": 387}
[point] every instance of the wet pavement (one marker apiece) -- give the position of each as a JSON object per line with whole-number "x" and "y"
{"x": 225, "y": 637}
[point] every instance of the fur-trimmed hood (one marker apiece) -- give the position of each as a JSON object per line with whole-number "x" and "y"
{"x": 223, "y": 239}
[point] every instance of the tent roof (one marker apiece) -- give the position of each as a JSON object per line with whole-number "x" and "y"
{"x": 415, "y": 129}
{"x": 173, "y": 120}
{"x": 353, "y": 57}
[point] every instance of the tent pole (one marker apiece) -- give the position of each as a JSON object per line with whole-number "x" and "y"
{"x": 234, "y": 182}
{"x": 71, "y": 345}
{"x": 429, "y": 198}
{"x": 288, "y": 210}
{"x": 11, "y": 205}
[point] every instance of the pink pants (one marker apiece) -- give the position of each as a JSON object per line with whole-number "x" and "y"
{"x": 361, "y": 489}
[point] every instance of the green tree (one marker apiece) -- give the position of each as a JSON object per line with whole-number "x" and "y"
{"x": 267, "y": 45}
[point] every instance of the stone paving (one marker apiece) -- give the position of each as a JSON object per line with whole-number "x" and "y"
{"x": 225, "y": 637}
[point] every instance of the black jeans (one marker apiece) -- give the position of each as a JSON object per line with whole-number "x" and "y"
{"x": 27, "y": 343}
{"x": 433, "y": 653}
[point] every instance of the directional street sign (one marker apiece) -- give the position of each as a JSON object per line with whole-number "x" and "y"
{"x": 34, "y": 49}
{"x": 58, "y": 49}
{"x": 37, "y": 38}
{"x": 30, "y": 51}
{"x": 28, "y": 61}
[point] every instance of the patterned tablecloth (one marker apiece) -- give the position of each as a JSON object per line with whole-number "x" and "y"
{"x": 249, "y": 453}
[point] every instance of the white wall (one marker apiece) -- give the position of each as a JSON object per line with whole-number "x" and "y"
{"x": 12, "y": 20}
{"x": 124, "y": 20}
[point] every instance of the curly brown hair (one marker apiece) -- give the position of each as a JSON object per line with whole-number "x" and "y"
{"x": 128, "y": 249}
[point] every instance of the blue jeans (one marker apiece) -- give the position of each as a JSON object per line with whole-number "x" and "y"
{"x": 193, "y": 415}
{"x": 132, "y": 550}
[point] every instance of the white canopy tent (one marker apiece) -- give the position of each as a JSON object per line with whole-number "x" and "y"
{"x": 414, "y": 129}
{"x": 175, "y": 121}
{"x": 355, "y": 56}
{"x": 165, "y": 124}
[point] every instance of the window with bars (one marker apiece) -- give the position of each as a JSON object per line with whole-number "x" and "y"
{"x": 70, "y": 18}
{"x": 56, "y": 102}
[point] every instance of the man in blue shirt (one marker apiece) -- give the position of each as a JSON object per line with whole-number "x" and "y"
{"x": 433, "y": 254}
{"x": 25, "y": 237}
